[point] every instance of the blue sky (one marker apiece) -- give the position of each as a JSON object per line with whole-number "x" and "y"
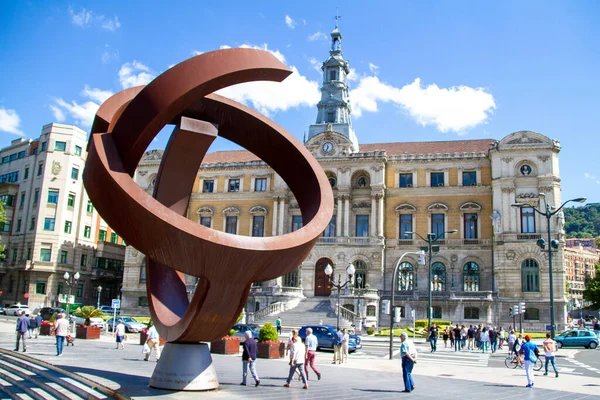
{"x": 426, "y": 70}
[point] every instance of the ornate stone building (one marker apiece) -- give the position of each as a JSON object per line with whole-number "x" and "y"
{"x": 383, "y": 191}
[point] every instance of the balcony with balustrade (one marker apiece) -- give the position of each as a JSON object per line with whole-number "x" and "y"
{"x": 352, "y": 241}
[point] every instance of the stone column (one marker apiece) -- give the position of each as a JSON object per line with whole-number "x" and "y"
{"x": 281, "y": 214}
{"x": 381, "y": 216}
{"x": 338, "y": 218}
{"x": 347, "y": 216}
{"x": 275, "y": 203}
{"x": 373, "y": 222}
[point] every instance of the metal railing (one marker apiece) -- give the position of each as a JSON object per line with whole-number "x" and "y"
{"x": 268, "y": 310}
{"x": 346, "y": 314}
{"x": 350, "y": 240}
{"x": 439, "y": 294}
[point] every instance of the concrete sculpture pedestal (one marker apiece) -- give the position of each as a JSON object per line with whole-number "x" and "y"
{"x": 185, "y": 366}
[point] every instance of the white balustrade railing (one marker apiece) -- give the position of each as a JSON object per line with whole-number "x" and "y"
{"x": 268, "y": 310}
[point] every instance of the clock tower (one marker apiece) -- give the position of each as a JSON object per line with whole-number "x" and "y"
{"x": 334, "y": 110}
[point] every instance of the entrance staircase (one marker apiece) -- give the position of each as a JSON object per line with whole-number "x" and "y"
{"x": 309, "y": 311}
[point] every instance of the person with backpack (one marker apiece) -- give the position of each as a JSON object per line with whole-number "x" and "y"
{"x": 530, "y": 354}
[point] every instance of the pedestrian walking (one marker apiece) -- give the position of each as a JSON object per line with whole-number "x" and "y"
{"x": 337, "y": 346}
{"x": 38, "y": 325}
{"x": 470, "y": 337}
{"x": 408, "y": 353}
{"x": 457, "y": 341}
{"x": 550, "y": 353}
{"x": 31, "y": 327}
{"x": 597, "y": 328}
{"x": 433, "y": 337}
{"x": 529, "y": 351}
{"x": 345, "y": 345}
{"x": 510, "y": 340}
{"x": 153, "y": 342}
{"x": 120, "y": 334}
{"x": 61, "y": 329}
{"x": 278, "y": 325}
{"x": 445, "y": 337}
{"x": 297, "y": 362}
{"x": 311, "y": 342}
{"x": 451, "y": 336}
{"x": 463, "y": 336}
{"x": 249, "y": 356}
{"x": 21, "y": 329}
{"x": 493, "y": 339}
{"x": 502, "y": 335}
{"x": 484, "y": 338}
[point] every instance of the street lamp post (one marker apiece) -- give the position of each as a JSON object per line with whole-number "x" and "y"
{"x": 338, "y": 284}
{"x": 99, "y": 289}
{"x": 394, "y": 279}
{"x": 548, "y": 213}
{"x": 430, "y": 249}
{"x": 70, "y": 281}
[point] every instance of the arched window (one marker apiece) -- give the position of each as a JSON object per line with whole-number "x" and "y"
{"x": 438, "y": 277}
{"x": 405, "y": 276}
{"x": 371, "y": 311}
{"x": 471, "y": 277}
{"x": 332, "y": 181}
{"x": 362, "y": 182}
{"x": 361, "y": 272}
{"x": 471, "y": 313}
{"x": 143, "y": 272}
{"x": 530, "y": 275}
{"x": 532, "y": 314}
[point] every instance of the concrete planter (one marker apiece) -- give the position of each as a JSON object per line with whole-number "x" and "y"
{"x": 271, "y": 350}
{"x": 225, "y": 346}
{"x": 45, "y": 330}
{"x": 87, "y": 332}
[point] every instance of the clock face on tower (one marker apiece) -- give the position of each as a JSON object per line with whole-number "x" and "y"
{"x": 327, "y": 147}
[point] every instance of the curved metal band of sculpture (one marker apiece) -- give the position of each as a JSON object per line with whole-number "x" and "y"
{"x": 225, "y": 264}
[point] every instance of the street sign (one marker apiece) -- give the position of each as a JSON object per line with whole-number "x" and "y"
{"x": 116, "y": 304}
{"x": 548, "y": 327}
{"x": 66, "y": 299}
{"x": 412, "y": 314}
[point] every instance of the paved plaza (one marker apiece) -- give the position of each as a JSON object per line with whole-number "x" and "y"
{"x": 367, "y": 377}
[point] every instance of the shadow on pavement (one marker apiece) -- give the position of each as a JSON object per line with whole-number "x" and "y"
{"x": 378, "y": 391}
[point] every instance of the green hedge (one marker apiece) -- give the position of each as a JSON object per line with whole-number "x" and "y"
{"x": 422, "y": 323}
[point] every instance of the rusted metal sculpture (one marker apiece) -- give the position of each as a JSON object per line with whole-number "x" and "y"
{"x": 225, "y": 264}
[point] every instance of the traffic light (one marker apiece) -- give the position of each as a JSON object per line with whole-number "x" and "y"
{"x": 435, "y": 249}
{"x": 385, "y": 305}
{"x": 422, "y": 259}
{"x": 396, "y": 314}
{"x": 521, "y": 308}
{"x": 541, "y": 243}
{"x": 516, "y": 310}
{"x": 510, "y": 312}
{"x": 554, "y": 244}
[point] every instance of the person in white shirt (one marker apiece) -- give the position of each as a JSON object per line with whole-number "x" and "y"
{"x": 345, "y": 345}
{"x": 311, "y": 343}
{"x": 120, "y": 333}
{"x": 153, "y": 341}
{"x": 550, "y": 353}
{"x": 61, "y": 330}
{"x": 297, "y": 362}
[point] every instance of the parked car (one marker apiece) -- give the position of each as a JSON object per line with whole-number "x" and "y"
{"x": 325, "y": 335}
{"x": 2, "y": 311}
{"x": 240, "y": 331}
{"x": 47, "y": 312}
{"x": 94, "y": 321}
{"x": 577, "y": 337}
{"x": 17, "y": 309}
{"x": 108, "y": 310}
{"x": 131, "y": 325}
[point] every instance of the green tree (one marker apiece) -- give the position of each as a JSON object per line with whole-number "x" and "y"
{"x": 88, "y": 312}
{"x": 583, "y": 222}
{"x": 592, "y": 289}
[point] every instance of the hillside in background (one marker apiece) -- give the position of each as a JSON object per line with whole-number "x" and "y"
{"x": 583, "y": 222}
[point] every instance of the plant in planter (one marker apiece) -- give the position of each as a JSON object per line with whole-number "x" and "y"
{"x": 46, "y": 328}
{"x": 269, "y": 345}
{"x": 86, "y": 331}
{"x": 228, "y": 344}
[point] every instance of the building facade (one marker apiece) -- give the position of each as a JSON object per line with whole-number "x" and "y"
{"x": 580, "y": 265}
{"x": 384, "y": 191}
{"x": 52, "y": 227}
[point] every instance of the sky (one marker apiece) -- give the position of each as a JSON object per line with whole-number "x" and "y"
{"x": 421, "y": 70}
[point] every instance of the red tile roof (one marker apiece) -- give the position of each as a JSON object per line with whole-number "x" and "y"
{"x": 397, "y": 148}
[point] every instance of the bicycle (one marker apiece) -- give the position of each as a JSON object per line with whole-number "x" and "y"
{"x": 518, "y": 361}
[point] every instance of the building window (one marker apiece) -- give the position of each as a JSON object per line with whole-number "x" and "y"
{"x": 296, "y": 222}
{"x": 205, "y": 221}
{"x": 143, "y": 273}
{"x": 22, "y": 200}
{"x": 405, "y": 226}
{"x": 15, "y": 253}
{"x": 260, "y": 185}
{"x": 258, "y": 226}
{"x": 331, "y": 116}
{"x": 530, "y": 275}
{"x": 362, "y": 226}
{"x": 330, "y": 230}
{"x": 49, "y": 224}
{"x": 469, "y": 178}
{"x": 406, "y": 180}
{"x": 52, "y": 196}
{"x": 471, "y": 277}
{"x": 19, "y": 221}
{"x": 361, "y": 272}
{"x": 234, "y": 185}
{"x": 36, "y": 196}
{"x": 362, "y": 182}
{"x": 77, "y": 150}
{"x": 470, "y": 226}
{"x": 44, "y": 146}
{"x": 40, "y": 169}
{"x": 68, "y": 226}
{"x": 26, "y": 174}
{"x": 45, "y": 255}
{"x": 437, "y": 224}
{"x": 71, "y": 200}
{"x": 437, "y": 312}
{"x": 11, "y": 285}
{"x": 63, "y": 256}
{"x": 332, "y": 75}
{"x": 40, "y": 287}
{"x": 209, "y": 186}
{"x": 405, "y": 276}
{"x": 28, "y": 257}
{"x": 527, "y": 220}
{"x": 7, "y": 200}
{"x": 532, "y": 314}
{"x": 87, "y": 232}
{"x": 5, "y": 226}
{"x": 291, "y": 278}
{"x": 437, "y": 179}
{"x": 114, "y": 238}
{"x": 231, "y": 225}
{"x": 90, "y": 207}
{"x": 60, "y": 146}
{"x": 471, "y": 313}
{"x": 438, "y": 277}
{"x": 83, "y": 261}
{"x": 371, "y": 311}
{"x": 80, "y": 290}
{"x": 102, "y": 235}
{"x": 74, "y": 173}
{"x": 32, "y": 224}
{"x": 142, "y": 301}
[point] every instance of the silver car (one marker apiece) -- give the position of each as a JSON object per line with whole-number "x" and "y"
{"x": 131, "y": 325}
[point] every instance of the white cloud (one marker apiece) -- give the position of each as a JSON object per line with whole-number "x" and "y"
{"x": 290, "y": 22}
{"x": 59, "y": 115}
{"x": 592, "y": 177}
{"x": 352, "y": 76}
{"x": 456, "y": 109}
{"x": 110, "y": 24}
{"x": 85, "y": 17}
{"x": 81, "y": 113}
{"x": 197, "y": 53}
{"x": 373, "y": 68}
{"x": 98, "y": 95}
{"x": 317, "y": 36}
{"x": 109, "y": 56}
{"x": 82, "y": 18}
{"x": 316, "y": 64}
{"x": 134, "y": 74}
{"x": 10, "y": 121}
{"x": 265, "y": 47}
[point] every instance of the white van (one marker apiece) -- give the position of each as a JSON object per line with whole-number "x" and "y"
{"x": 17, "y": 309}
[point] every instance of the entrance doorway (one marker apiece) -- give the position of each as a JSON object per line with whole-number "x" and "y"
{"x": 322, "y": 287}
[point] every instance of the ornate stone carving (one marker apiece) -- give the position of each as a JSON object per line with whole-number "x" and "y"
{"x": 508, "y": 189}
{"x": 142, "y": 173}
{"x": 507, "y": 159}
{"x": 527, "y": 196}
{"x": 375, "y": 256}
{"x": 525, "y": 140}
{"x": 496, "y": 222}
{"x": 377, "y": 168}
{"x": 510, "y": 255}
{"x": 56, "y": 167}
{"x": 361, "y": 205}
{"x": 543, "y": 158}
{"x": 406, "y": 207}
{"x": 546, "y": 189}
{"x": 293, "y": 206}
{"x": 153, "y": 155}
{"x": 205, "y": 210}
{"x": 470, "y": 206}
{"x": 454, "y": 258}
{"x": 258, "y": 210}
{"x": 231, "y": 211}
{"x": 345, "y": 169}
{"x": 341, "y": 256}
{"x": 437, "y": 207}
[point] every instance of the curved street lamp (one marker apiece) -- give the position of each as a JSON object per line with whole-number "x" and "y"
{"x": 350, "y": 270}
{"x": 70, "y": 281}
{"x": 549, "y": 213}
{"x": 99, "y": 289}
{"x": 430, "y": 249}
